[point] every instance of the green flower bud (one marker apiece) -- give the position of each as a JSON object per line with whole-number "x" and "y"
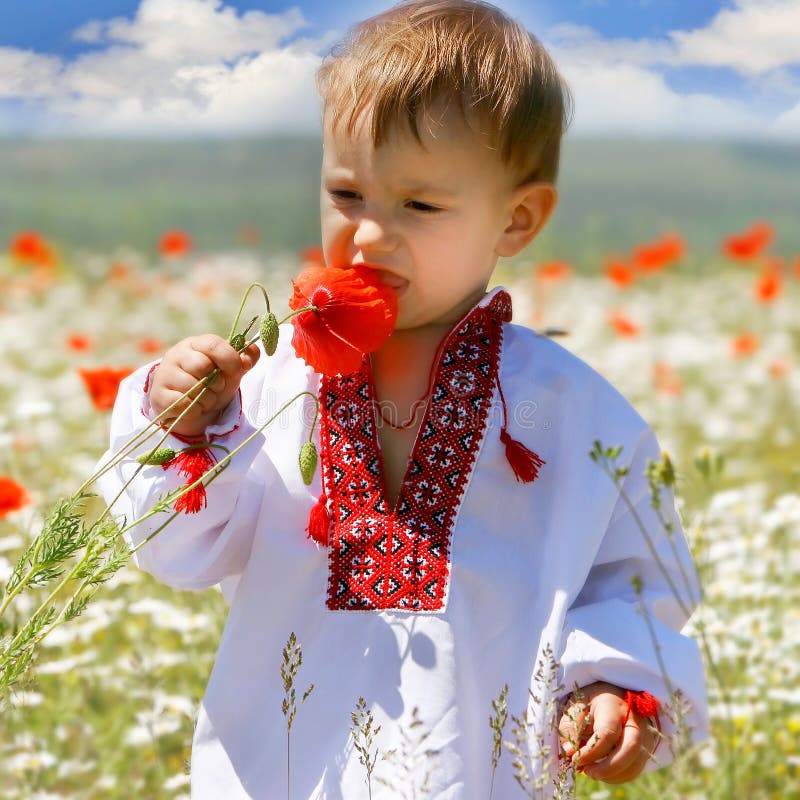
{"x": 237, "y": 341}
{"x": 308, "y": 462}
{"x": 269, "y": 332}
{"x": 159, "y": 456}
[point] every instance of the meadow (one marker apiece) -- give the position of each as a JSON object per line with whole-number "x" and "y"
{"x": 703, "y": 340}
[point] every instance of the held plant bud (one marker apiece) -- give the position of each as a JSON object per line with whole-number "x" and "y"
{"x": 269, "y": 333}
{"x": 308, "y": 462}
{"x": 237, "y": 341}
{"x": 158, "y": 456}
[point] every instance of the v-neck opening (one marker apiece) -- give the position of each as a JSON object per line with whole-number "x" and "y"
{"x": 382, "y": 482}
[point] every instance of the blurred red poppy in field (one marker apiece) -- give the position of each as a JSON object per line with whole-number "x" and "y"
{"x": 355, "y": 313}
{"x": 796, "y": 268}
{"x": 744, "y": 344}
{"x": 619, "y": 273}
{"x": 750, "y": 244}
{"x": 31, "y": 247}
{"x": 659, "y": 254}
{"x": 79, "y": 342}
{"x": 175, "y": 243}
{"x": 769, "y": 284}
{"x": 248, "y": 234}
{"x": 554, "y": 271}
{"x": 13, "y": 497}
{"x": 779, "y": 368}
{"x": 312, "y": 256}
{"x": 665, "y": 379}
{"x": 623, "y": 325}
{"x": 102, "y": 383}
{"x": 119, "y": 271}
{"x": 150, "y": 345}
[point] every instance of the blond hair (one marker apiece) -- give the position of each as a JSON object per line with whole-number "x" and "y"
{"x": 398, "y": 62}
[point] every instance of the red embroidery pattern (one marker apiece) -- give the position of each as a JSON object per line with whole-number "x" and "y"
{"x": 400, "y": 558}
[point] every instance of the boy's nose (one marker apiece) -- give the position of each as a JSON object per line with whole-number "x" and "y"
{"x": 372, "y": 234}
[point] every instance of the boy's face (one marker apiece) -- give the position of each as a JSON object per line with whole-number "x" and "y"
{"x": 431, "y": 218}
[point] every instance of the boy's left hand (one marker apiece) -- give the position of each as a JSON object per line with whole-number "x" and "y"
{"x": 595, "y": 723}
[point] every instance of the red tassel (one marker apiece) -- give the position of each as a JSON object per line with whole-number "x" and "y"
{"x": 319, "y": 521}
{"x": 524, "y": 462}
{"x": 644, "y": 704}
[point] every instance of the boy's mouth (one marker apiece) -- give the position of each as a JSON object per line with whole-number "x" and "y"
{"x": 394, "y": 281}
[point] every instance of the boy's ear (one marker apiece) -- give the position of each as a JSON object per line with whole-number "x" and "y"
{"x": 529, "y": 208}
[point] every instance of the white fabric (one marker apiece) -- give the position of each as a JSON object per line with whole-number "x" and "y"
{"x": 532, "y": 564}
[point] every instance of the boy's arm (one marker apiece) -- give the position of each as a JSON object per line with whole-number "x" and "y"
{"x": 608, "y": 637}
{"x": 196, "y": 550}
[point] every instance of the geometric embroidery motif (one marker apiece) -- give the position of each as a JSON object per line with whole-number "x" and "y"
{"x": 381, "y": 558}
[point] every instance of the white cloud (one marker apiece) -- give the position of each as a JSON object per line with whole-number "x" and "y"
{"x": 177, "y": 67}
{"x": 754, "y": 37}
{"x": 24, "y": 73}
{"x": 194, "y": 30}
{"x": 620, "y": 86}
{"x": 616, "y": 98}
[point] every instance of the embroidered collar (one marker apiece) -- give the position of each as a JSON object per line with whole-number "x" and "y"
{"x": 382, "y": 558}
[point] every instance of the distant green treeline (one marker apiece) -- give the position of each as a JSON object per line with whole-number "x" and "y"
{"x": 98, "y": 195}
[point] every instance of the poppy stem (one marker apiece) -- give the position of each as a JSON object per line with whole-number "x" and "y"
{"x": 241, "y": 306}
{"x": 295, "y": 313}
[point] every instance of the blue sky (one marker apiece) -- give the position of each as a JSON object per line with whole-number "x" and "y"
{"x": 705, "y": 68}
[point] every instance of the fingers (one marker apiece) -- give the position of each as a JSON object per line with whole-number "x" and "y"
{"x": 639, "y": 739}
{"x": 249, "y": 356}
{"x": 606, "y": 730}
{"x": 574, "y": 727}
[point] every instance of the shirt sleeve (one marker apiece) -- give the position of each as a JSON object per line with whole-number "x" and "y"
{"x": 195, "y": 550}
{"x": 609, "y": 637}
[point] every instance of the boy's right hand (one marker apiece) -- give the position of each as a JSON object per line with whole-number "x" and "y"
{"x": 190, "y": 360}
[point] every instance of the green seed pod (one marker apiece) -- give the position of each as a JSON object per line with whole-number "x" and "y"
{"x": 159, "y": 456}
{"x": 237, "y": 341}
{"x": 269, "y": 333}
{"x": 308, "y": 462}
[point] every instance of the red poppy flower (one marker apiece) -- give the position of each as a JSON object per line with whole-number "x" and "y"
{"x": 619, "y": 273}
{"x": 150, "y": 345}
{"x": 745, "y": 344}
{"x": 119, "y": 272}
{"x": 12, "y": 496}
{"x": 355, "y": 313}
{"x": 769, "y": 284}
{"x": 32, "y": 248}
{"x": 779, "y": 368}
{"x": 750, "y": 244}
{"x": 660, "y": 254}
{"x": 102, "y": 383}
{"x": 665, "y": 379}
{"x": 175, "y": 243}
{"x": 623, "y": 325}
{"x": 554, "y": 271}
{"x": 79, "y": 342}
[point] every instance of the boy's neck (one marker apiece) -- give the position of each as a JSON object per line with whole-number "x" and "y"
{"x": 408, "y": 350}
{"x": 405, "y": 349}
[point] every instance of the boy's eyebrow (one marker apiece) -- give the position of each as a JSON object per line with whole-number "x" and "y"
{"x": 424, "y": 188}
{"x": 409, "y": 188}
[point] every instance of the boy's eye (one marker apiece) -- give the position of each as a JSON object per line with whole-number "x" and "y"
{"x": 346, "y": 194}
{"x": 423, "y": 207}
{"x": 342, "y": 194}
